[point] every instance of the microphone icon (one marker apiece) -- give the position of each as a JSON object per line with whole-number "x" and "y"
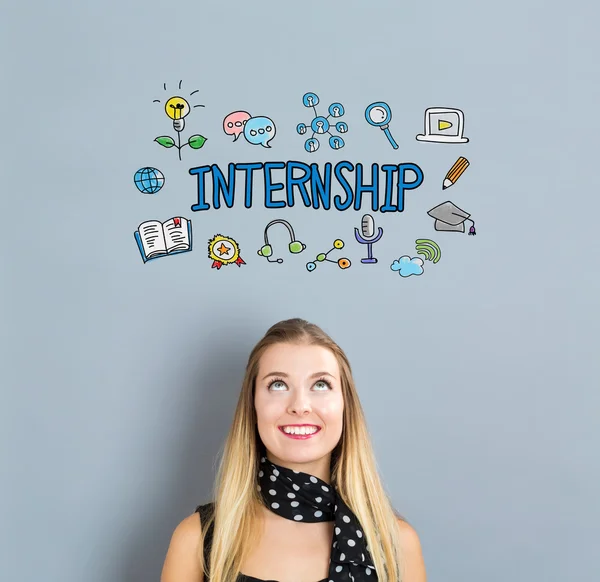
{"x": 365, "y": 237}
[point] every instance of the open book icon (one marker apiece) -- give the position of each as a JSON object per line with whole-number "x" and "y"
{"x": 159, "y": 239}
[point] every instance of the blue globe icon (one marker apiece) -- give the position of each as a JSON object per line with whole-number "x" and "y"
{"x": 149, "y": 180}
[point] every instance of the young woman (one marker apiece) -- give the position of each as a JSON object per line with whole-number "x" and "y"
{"x": 297, "y": 497}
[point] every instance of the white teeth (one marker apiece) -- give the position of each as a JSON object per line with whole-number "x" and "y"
{"x": 301, "y": 430}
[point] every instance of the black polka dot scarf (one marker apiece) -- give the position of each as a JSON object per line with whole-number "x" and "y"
{"x": 303, "y": 497}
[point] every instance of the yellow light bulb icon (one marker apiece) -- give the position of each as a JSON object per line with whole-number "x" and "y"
{"x": 177, "y": 108}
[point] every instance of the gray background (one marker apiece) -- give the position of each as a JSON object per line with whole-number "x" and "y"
{"x": 479, "y": 378}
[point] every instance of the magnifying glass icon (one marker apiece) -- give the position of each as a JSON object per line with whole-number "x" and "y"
{"x": 379, "y": 115}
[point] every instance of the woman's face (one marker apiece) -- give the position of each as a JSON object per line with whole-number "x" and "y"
{"x": 299, "y": 384}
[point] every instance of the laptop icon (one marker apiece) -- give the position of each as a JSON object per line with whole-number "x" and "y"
{"x": 443, "y": 125}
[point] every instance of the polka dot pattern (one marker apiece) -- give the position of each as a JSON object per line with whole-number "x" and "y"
{"x": 305, "y": 498}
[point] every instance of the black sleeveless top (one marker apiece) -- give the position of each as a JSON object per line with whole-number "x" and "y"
{"x": 205, "y": 511}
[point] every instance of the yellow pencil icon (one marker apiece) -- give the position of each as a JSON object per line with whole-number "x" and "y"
{"x": 455, "y": 172}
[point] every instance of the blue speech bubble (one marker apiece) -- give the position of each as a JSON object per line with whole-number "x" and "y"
{"x": 259, "y": 131}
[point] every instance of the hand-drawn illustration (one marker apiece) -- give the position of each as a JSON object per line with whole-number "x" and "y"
{"x": 367, "y": 236}
{"x": 443, "y": 125}
{"x": 259, "y": 131}
{"x": 321, "y": 125}
{"x": 158, "y": 239}
{"x": 149, "y": 180}
{"x": 455, "y": 172}
{"x": 407, "y": 266}
{"x": 294, "y": 247}
{"x": 177, "y": 108}
{"x": 342, "y": 263}
{"x": 381, "y": 189}
{"x": 233, "y": 124}
{"x": 379, "y": 114}
{"x": 429, "y": 249}
{"x": 224, "y": 251}
{"x": 450, "y": 218}
{"x": 311, "y": 145}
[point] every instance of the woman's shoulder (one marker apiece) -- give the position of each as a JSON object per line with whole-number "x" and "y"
{"x": 181, "y": 562}
{"x": 412, "y": 552}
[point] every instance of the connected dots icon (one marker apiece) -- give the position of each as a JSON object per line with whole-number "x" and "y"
{"x": 342, "y": 263}
{"x": 321, "y": 126}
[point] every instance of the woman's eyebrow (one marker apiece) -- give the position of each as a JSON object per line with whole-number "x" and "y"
{"x": 284, "y": 375}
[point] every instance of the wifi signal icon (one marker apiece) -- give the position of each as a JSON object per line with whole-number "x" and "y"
{"x": 429, "y": 249}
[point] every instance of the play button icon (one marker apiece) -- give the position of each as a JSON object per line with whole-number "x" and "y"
{"x": 443, "y": 125}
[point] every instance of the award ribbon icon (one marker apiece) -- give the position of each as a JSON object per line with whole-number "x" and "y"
{"x": 224, "y": 251}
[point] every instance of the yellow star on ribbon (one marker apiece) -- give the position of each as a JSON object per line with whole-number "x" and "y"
{"x": 223, "y": 249}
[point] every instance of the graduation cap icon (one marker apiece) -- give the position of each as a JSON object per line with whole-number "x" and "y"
{"x": 451, "y": 218}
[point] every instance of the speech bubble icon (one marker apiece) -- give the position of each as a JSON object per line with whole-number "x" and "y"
{"x": 233, "y": 124}
{"x": 259, "y": 131}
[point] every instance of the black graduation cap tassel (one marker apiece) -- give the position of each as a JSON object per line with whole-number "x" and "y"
{"x": 472, "y": 229}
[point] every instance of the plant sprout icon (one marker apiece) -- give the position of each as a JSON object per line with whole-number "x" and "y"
{"x": 177, "y": 108}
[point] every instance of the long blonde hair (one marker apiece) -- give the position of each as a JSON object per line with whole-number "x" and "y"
{"x": 354, "y": 471}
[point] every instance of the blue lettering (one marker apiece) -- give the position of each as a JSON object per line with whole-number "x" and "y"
{"x": 270, "y": 187}
{"x": 345, "y": 185}
{"x": 219, "y": 184}
{"x": 300, "y": 182}
{"x": 249, "y": 168}
{"x": 200, "y": 172}
{"x": 404, "y": 185}
{"x": 360, "y": 187}
{"x": 321, "y": 188}
{"x": 389, "y": 182}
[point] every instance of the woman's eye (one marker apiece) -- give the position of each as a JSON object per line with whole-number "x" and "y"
{"x": 320, "y": 385}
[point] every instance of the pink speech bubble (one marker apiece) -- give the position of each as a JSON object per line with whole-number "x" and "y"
{"x": 233, "y": 124}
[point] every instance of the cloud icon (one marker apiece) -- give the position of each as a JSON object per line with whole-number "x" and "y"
{"x": 407, "y": 266}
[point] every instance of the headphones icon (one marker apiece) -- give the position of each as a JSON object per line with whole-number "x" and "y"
{"x": 295, "y": 246}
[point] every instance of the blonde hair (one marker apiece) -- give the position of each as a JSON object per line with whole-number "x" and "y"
{"x": 354, "y": 472}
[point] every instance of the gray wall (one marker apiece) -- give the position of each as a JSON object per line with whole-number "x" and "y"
{"x": 479, "y": 377}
